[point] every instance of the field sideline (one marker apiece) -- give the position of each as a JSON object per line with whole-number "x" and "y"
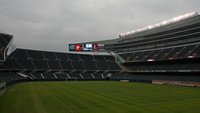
{"x": 98, "y": 97}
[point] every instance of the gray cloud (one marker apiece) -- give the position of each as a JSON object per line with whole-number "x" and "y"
{"x": 52, "y": 24}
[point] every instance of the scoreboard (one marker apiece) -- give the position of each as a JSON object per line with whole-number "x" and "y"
{"x": 86, "y": 47}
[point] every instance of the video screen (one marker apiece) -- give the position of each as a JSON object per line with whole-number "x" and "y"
{"x": 84, "y": 47}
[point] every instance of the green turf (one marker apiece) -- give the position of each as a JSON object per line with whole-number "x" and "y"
{"x": 99, "y": 97}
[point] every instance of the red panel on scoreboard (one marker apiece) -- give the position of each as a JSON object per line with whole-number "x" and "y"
{"x": 78, "y": 47}
{"x": 95, "y": 47}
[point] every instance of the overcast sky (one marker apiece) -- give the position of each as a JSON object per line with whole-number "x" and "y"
{"x": 52, "y": 24}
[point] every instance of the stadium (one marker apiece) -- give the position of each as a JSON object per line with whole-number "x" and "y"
{"x": 152, "y": 69}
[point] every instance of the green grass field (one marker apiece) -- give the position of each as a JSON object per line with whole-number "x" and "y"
{"x": 98, "y": 97}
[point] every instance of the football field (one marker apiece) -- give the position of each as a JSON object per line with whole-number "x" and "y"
{"x": 98, "y": 97}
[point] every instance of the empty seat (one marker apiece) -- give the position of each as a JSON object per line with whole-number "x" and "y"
{"x": 90, "y": 65}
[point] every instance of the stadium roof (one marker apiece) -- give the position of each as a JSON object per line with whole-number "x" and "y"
{"x": 164, "y": 23}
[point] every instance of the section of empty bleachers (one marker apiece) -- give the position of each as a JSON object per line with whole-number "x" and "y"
{"x": 67, "y": 65}
{"x": 173, "y": 36}
{"x": 11, "y": 78}
{"x": 75, "y": 76}
{"x": 113, "y": 66}
{"x": 32, "y": 60}
{"x": 97, "y": 76}
{"x": 88, "y": 76}
{"x": 183, "y": 65}
{"x": 37, "y": 76}
{"x": 148, "y": 77}
{"x": 181, "y": 52}
{"x": 173, "y": 41}
{"x": 38, "y": 59}
{"x": 90, "y": 65}
{"x": 63, "y": 76}
{"x": 49, "y": 76}
{"x": 170, "y": 48}
{"x": 78, "y": 65}
{"x": 5, "y": 41}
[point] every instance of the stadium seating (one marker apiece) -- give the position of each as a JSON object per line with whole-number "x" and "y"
{"x": 5, "y": 41}
{"x": 170, "y": 48}
{"x": 187, "y": 34}
{"x": 11, "y": 78}
{"x": 162, "y": 53}
{"x": 7, "y": 76}
{"x": 180, "y": 52}
{"x": 22, "y": 59}
{"x": 63, "y": 76}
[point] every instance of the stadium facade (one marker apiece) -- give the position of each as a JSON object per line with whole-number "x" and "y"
{"x": 167, "y": 51}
